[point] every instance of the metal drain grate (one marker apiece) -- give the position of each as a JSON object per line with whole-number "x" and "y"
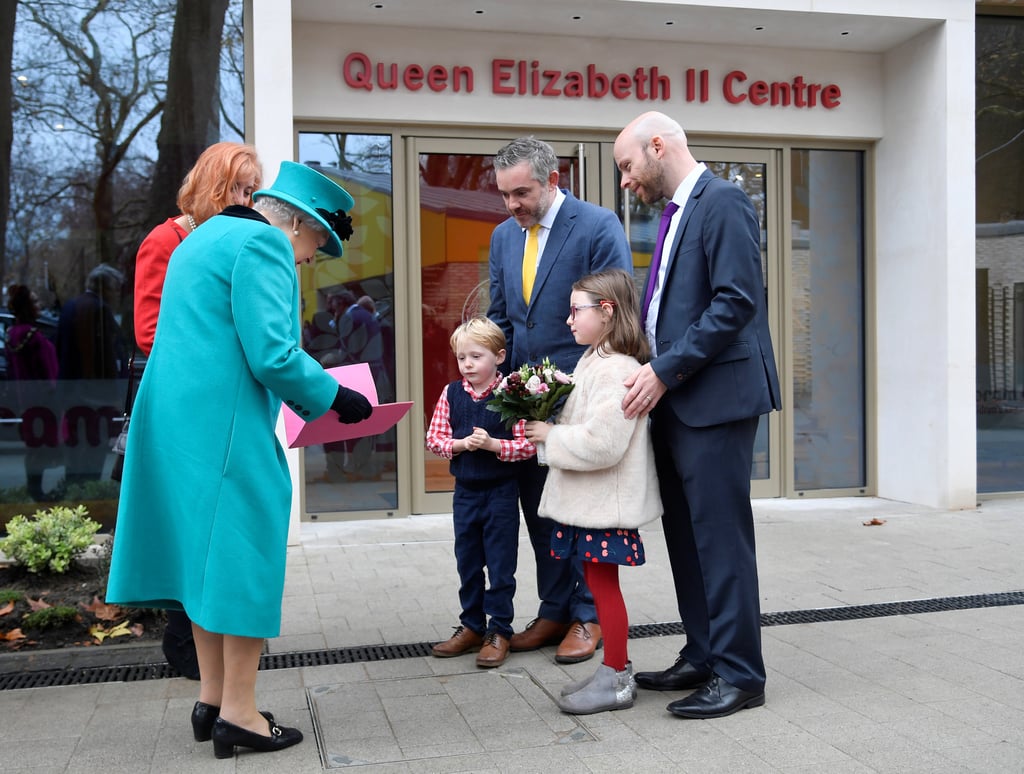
{"x": 344, "y": 655}
{"x": 135, "y": 672}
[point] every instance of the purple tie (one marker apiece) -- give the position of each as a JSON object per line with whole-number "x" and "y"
{"x": 652, "y": 275}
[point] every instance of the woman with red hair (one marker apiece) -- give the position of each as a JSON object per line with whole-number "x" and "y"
{"x": 226, "y": 173}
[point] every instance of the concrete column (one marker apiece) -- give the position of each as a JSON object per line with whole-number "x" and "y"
{"x": 924, "y": 270}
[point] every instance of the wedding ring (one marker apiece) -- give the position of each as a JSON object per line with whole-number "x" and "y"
{"x": 647, "y": 399}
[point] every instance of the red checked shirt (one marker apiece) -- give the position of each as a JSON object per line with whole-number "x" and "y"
{"x": 439, "y": 434}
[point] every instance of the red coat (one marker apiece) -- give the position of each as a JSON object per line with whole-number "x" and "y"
{"x": 150, "y": 269}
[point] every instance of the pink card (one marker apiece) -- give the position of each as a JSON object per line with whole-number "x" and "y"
{"x": 327, "y": 428}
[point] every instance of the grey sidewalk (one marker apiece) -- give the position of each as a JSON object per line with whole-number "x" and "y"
{"x": 925, "y": 692}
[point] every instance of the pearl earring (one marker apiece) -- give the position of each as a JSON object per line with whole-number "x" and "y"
{"x": 296, "y": 232}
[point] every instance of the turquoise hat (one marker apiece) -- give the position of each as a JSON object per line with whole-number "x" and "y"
{"x": 316, "y": 195}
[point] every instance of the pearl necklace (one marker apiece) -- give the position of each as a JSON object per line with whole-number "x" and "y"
{"x": 191, "y": 222}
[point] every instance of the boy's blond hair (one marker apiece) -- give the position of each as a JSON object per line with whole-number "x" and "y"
{"x": 481, "y": 330}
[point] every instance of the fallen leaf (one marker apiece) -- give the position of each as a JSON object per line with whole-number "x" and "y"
{"x": 121, "y": 630}
{"x": 7, "y": 608}
{"x": 103, "y": 611}
{"x": 875, "y": 522}
{"x": 12, "y": 635}
{"x": 37, "y": 604}
{"x": 97, "y": 631}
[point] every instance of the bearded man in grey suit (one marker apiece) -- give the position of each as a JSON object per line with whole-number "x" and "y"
{"x": 712, "y": 374}
{"x": 573, "y": 239}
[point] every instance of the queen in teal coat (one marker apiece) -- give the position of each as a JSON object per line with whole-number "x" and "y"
{"x": 203, "y": 518}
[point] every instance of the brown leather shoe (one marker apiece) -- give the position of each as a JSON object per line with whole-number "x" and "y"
{"x": 538, "y": 633}
{"x": 494, "y": 652}
{"x": 579, "y": 644}
{"x": 463, "y": 641}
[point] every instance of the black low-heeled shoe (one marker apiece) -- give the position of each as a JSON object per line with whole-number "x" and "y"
{"x": 203, "y": 716}
{"x": 228, "y": 736}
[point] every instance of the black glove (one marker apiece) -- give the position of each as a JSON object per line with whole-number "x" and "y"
{"x": 351, "y": 406}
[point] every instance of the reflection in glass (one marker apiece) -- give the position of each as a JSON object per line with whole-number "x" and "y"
{"x": 459, "y": 208}
{"x": 999, "y": 314}
{"x": 348, "y": 317}
{"x": 643, "y": 229}
{"x": 828, "y": 319}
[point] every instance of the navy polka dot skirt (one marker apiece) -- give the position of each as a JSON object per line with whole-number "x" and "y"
{"x": 615, "y": 546}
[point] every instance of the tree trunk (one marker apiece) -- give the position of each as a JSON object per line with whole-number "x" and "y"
{"x": 190, "y": 121}
{"x": 8, "y": 12}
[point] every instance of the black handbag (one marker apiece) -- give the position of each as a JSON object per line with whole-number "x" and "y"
{"x": 121, "y": 442}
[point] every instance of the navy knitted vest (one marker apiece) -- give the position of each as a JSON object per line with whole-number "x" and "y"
{"x": 476, "y": 467}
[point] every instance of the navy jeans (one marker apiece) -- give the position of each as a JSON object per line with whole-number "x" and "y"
{"x": 487, "y": 536}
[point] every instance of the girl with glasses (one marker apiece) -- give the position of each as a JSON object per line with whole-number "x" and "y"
{"x": 601, "y": 485}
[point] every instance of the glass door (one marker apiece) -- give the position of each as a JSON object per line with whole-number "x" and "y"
{"x": 454, "y": 205}
{"x": 348, "y": 310}
{"x": 755, "y": 171}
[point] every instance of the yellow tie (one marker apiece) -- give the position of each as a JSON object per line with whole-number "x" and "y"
{"x": 530, "y": 262}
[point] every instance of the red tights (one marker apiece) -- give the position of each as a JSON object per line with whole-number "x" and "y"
{"x": 603, "y": 580}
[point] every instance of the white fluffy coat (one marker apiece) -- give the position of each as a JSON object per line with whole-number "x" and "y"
{"x": 602, "y": 471}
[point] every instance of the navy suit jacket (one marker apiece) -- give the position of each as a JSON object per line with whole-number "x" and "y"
{"x": 714, "y": 349}
{"x": 583, "y": 239}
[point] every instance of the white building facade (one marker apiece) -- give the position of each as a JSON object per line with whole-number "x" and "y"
{"x": 850, "y": 124}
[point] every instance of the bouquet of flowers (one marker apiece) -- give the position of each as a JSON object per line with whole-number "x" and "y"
{"x": 531, "y": 392}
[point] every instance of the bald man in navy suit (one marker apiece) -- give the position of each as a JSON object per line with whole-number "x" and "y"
{"x": 711, "y": 376}
{"x": 575, "y": 239}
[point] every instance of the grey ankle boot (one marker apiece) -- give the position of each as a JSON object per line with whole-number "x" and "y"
{"x": 576, "y": 685}
{"x": 607, "y": 690}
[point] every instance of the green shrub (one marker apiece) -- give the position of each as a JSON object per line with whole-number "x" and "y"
{"x": 10, "y": 595}
{"x": 49, "y": 540}
{"x": 50, "y": 617}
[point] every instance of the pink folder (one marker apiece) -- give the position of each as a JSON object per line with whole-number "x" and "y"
{"x": 327, "y": 428}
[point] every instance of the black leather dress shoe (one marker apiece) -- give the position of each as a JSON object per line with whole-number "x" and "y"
{"x": 681, "y": 676}
{"x": 203, "y": 717}
{"x": 228, "y": 736}
{"x": 716, "y": 700}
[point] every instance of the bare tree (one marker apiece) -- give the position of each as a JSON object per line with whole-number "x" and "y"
{"x": 93, "y": 96}
{"x": 190, "y": 117}
{"x": 8, "y": 14}
{"x": 999, "y": 119}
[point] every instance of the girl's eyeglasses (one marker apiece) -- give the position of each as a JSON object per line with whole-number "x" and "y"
{"x": 574, "y": 308}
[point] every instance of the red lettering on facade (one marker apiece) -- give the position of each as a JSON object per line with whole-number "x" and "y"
{"x": 621, "y": 84}
{"x": 413, "y": 77}
{"x": 500, "y": 75}
{"x": 727, "y": 87}
{"x": 465, "y": 75}
{"x": 758, "y": 93}
{"x": 528, "y": 78}
{"x": 697, "y": 89}
{"x": 574, "y": 84}
{"x": 437, "y": 78}
{"x": 550, "y": 87}
{"x": 830, "y": 96}
{"x": 355, "y": 71}
{"x": 597, "y": 82}
{"x": 358, "y": 72}
{"x": 781, "y": 94}
{"x": 797, "y": 92}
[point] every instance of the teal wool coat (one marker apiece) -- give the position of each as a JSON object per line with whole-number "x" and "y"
{"x": 202, "y": 523}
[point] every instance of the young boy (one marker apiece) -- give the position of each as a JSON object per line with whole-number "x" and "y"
{"x": 484, "y": 457}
